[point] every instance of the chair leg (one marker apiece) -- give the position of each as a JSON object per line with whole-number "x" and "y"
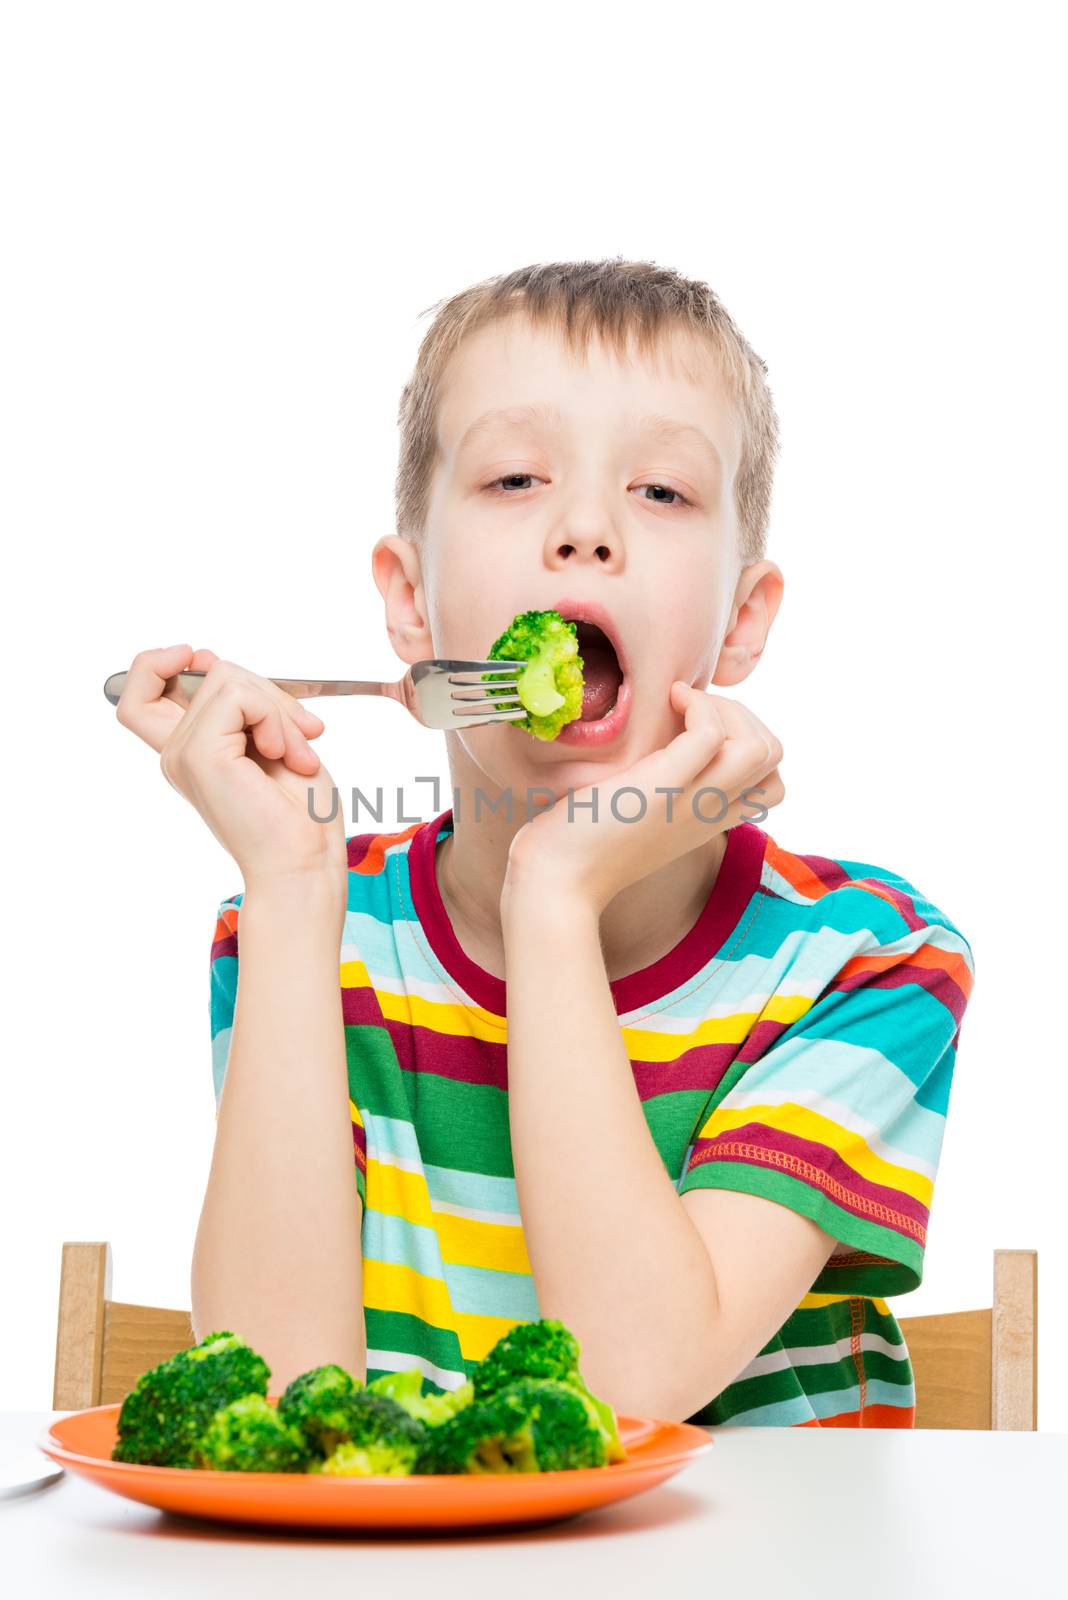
{"x": 84, "y": 1286}
{"x": 1014, "y": 1368}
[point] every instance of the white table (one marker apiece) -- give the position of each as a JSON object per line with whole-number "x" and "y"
{"x": 767, "y": 1512}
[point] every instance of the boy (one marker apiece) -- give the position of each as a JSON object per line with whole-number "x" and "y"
{"x": 640, "y": 1068}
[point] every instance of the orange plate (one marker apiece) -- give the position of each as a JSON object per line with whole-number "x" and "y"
{"x": 656, "y": 1450}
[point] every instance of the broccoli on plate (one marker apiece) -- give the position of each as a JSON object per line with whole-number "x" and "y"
{"x": 248, "y": 1435}
{"x": 406, "y": 1388}
{"x": 316, "y": 1403}
{"x": 550, "y": 685}
{"x": 533, "y": 1425}
{"x": 525, "y": 1408}
{"x": 378, "y": 1437}
{"x": 545, "y": 1348}
{"x": 541, "y": 1349}
{"x": 163, "y": 1416}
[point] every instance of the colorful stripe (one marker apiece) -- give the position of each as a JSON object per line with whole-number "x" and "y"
{"x": 798, "y": 1043}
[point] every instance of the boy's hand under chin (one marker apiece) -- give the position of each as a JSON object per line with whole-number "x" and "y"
{"x": 723, "y": 746}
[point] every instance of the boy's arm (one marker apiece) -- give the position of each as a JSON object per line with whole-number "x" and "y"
{"x": 277, "y": 1256}
{"x": 669, "y": 1296}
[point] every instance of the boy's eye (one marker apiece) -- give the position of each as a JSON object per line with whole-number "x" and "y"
{"x": 662, "y": 488}
{"x": 509, "y": 478}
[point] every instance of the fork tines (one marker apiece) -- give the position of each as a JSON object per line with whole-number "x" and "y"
{"x": 502, "y": 667}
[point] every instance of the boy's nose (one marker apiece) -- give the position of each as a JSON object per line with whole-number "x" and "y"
{"x": 589, "y": 537}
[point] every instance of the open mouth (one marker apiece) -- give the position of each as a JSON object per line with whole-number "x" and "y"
{"x": 601, "y": 671}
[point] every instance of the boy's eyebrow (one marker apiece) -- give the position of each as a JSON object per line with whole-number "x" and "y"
{"x": 510, "y": 414}
{"x": 655, "y": 423}
{"x": 685, "y": 432}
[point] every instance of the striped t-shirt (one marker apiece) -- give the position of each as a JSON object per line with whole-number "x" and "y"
{"x": 797, "y": 1043}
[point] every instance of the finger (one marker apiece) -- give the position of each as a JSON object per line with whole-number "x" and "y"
{"x": 149, "y": 671}
{"x": 299, "y": 755}
{"x": 700, "y": 742}
{"x": 699, "y": 708}
{"x": 746, "y": 726}
{"x": 690, "y": 752}
{"x": 142, "y": 706}
{"x": 219, "y": 671}
{"x": 757, "y": 799}
{"x": 267, "y": 733}
{"x": 722, "y": 745}
{"x": 201, "y": 661}
{"x": 232, "y": 702}
{"x": 310, "y": 724}
{"x": 277, "y": 736}
{"x": 239, "y": 714}
{"x": 768, "y": 790}
{"x": 749, "y": 749}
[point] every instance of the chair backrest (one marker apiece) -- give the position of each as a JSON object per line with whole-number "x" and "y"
{"x": 973, "y": 1369}
{"x": 979, "y": 1369}
{"x": 103, "y": 1345}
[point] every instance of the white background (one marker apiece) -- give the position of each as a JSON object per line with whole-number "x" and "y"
{"x": 222, "y": 224}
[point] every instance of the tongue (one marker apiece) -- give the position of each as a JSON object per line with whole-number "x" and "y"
{"x": 601, "y": 681}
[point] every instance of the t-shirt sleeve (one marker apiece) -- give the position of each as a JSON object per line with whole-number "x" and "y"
{"x": 222, "y": 1004}
{"x": 223, "y": 990}
{"x": 841, "y": 1117}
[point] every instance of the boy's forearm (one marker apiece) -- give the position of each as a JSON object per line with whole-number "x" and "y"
{"x": 277, "y": 1255}
{"x": 613, "y": 1252}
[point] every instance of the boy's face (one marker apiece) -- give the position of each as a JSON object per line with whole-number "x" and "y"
{"x": 621, "y": 496}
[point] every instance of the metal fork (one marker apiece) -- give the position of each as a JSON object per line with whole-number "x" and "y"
{"x": 428, "y": 690}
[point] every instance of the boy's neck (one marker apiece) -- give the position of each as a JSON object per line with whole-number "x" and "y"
{"x": 641, "y": 924}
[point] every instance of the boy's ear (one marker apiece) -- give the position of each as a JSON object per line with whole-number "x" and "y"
{"x": 756, "y": 600}
{"x": 397, "y": 571}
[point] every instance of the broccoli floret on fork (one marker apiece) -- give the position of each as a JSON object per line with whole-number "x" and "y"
{"x": 550, "y": 685}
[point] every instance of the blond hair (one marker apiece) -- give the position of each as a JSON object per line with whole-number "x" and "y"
{"x": 614, "y": 299}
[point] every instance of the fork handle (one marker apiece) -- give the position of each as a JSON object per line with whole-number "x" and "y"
{"x": 299, "y": 688}
{"x": 308, "y": 688}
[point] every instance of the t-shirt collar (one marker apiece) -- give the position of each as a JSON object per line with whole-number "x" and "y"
{"x": 737, "y": 881}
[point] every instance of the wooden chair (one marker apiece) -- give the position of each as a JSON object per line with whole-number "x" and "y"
{"x": 104, "y": 1345}
{"x": 979, "y": 1369}
{"x": 973, "y": 1369}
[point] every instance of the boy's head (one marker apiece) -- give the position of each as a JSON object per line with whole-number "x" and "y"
{"x": 585, "y": 432}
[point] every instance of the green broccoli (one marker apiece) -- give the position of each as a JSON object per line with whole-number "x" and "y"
{"x": 316, "y": 1403}
{"x": 406, "y": 1388}
{"x": 533, "y": 1425}
{"x": 364, "y": 1461}
{"x": 540, "y": 1349}
{"x": 550, "y": 687}
{"x": 248, "y": 1435}
{"x": 376, "y": 1436}
{"x": 163, "y": 1417}
{"x": 544, "y": 1348}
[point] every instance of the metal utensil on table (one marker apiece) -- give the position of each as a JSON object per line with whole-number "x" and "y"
{"x": 24, "y": 1468}
{"x": 429, "y": 690}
